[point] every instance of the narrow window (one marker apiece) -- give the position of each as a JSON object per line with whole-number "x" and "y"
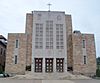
{"x": 83, "y": 43}
{"x": 4, "y": 52}
{"x": 1, "y": 51}
{"x": 16, "y": 43}
{"x": 84, "y": 59}
{"x": 15, "y": 59}
{"x": 49, "y": 34}
{"x": 39, "y": 36}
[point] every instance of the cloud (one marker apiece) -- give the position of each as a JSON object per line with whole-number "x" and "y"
{"x": 85, "y": 14}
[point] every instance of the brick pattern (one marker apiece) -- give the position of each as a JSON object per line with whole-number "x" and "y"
{"x": 69, "y": 41}
{"x": 29, "y": 26}
{"x": 29, "y": 23}
{"x": 78, "y": 66}
{"x": 74, "y": 49}
{"x": 10, "y": 66}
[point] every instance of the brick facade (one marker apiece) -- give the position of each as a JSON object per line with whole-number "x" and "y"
{"x": 75, "y": 51}
{"x": 79, "y": 52}
{"x": 69, "y": 41}
{"x": 29, "y": 25}
{"x": 11, "y": 67}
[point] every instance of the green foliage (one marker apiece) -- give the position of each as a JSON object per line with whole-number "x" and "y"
{"x": 98, "y": 61}
{"x": 98, "y": 72}
{"x": 1, "y": 69}
{"x": 98, "y": 67}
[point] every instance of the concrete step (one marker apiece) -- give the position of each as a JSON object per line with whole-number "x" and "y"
{"x": 49, "y": 76}
{"x": 64, "y": 75}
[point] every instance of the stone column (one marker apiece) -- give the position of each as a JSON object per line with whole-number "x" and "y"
{"x": 65, "y": 64}
{"x": 43, "y": 65}
{"x": 32, "y": 65}
{"x": 54, "y": 65}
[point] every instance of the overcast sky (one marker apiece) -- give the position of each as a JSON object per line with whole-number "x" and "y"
{"x": 85, "y": 15}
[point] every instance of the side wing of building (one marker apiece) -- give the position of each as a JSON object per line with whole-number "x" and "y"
{"x": 84, "y": 54}
{"x": 16, "y": 53}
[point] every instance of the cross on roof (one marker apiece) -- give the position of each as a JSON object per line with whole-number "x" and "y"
{"x": 49, "y": 6}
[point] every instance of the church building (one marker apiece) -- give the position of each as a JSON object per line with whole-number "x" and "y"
{"x": 49, "y": 45}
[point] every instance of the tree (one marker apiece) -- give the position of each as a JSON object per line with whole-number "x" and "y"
{"x": 1, "y": 69}
{"x": 98, "y": 67}
{"x": 98, "y": 63}
{"x": 98, "y": 72}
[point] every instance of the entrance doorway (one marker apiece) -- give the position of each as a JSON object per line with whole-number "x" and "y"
{"x": 59, "y": 64}
{"x": 49, "y": 65}
{"x": 38, "y": 64}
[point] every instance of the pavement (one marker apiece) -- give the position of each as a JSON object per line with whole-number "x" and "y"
{"x": 47, "y": 81}
{"x": 51, "y": 76}
{"x": 86, "y": 81}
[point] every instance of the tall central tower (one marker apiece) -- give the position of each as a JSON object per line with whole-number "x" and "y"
{"x": 49, "y": 45}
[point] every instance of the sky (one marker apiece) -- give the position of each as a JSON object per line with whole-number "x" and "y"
{"x": 85, "y": 15}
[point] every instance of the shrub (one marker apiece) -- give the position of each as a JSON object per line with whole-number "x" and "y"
{"x": 1, "y": 69}
{"x": 98, "y": 72}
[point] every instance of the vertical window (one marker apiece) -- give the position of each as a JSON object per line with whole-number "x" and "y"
{"x": 16, "y": 43}
{"x": 15, "y": 59}
{"x": 39, "y": 36}
{"x": 83, "y": 43}
{"x": 49, "y": 34}
{"x": 4, "y": 53}
{"x": 1, "y": 51}
{"x": 84, "y": 59}
{"x": 59, "y": 36}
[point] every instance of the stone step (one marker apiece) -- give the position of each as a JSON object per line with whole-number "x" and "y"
{"x": 49, "y": 76}
{"x": 64, "y": 75}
